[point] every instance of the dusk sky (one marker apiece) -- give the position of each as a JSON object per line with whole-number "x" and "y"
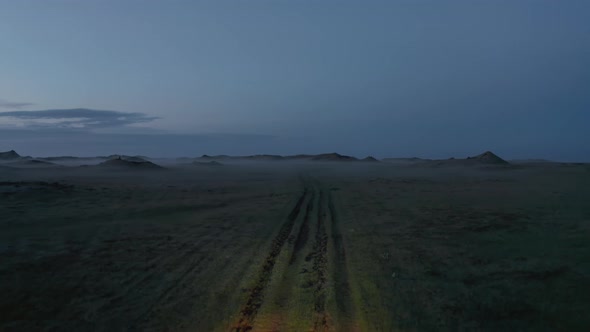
{"x": 431, "y": 79}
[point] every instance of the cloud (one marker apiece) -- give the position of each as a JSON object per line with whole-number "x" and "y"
{"x": 79, "y": 118}
{"x": 11, "y": 104}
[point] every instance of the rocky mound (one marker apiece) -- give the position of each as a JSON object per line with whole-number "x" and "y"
{"x": 370, "y": 159}
{"x": 59, "y": 158}
{"x": 27, "y": 163}
{"x": 222, "y": 156}
{"x": 264, "y": 157}
{"x": 272, "y": 157}
{"x": 333, "y": 157}
{"x": 485, "y": 159}
{"x": 140, "y": 159}
{"x": 413, "y": 161}
{"x": 9, "y": 155}
{"x": 488, "y": 157}
{"x": 36, "y": 162}
{"x": 129, "y": 164}
{"x": 208, "y": 163}
{"x": 300, "y": 156}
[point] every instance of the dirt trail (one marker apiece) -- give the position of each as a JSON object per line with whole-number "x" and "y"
{"x": 257, "y": 293}
{"x": 303, "y": 283}
{"x": 340, "y": 270}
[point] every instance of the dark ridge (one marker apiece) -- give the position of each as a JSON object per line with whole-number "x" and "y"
{"x": 488, "y": 157}
{"x": 208, "y": 163}
{"x": 271, "y": 157}
{"x": 128, "y": 158}
{"x": 34, "y": 162}
{"x": 264, "y": 157}
{"x": 29, "y": 163}
{"x": 300, "y": 156}
{"x": 62, "y": 158}
{"x": 222, "y": 156}
{"x": 370, "y": 159}
{"x": 9, "y": 155}
{"x": 333, "y": 157}
{"x": 128, "y": 164}
{"x": 412, "y": 159}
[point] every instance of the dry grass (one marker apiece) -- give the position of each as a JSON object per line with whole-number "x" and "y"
{"x": 372, "y": 247}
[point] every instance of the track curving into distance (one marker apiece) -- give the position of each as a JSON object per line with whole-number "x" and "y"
{"x": 304, "y": 273}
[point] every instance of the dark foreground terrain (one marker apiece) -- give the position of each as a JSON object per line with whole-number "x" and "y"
{"x": 281, "y": 246}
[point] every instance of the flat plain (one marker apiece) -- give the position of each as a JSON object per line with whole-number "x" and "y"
{"x": 295, "y": 246}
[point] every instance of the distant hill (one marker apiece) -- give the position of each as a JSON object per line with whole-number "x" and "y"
{"x": 222, "y": 156}
{"x": 270, "y": 157}
{"x": 129, "y": 164}
{"x": 264, "y": 157}
{"x": 300, "y": 156}
{"x": 36, "y": 162}
{"x": 208, "y": 163}
{"x": 333, "y": 157}
{"x": 488, "y": 157}
{"x": 61, "y": 158}
{"x": 31, "y": 163}
{"x": 9, "y": 155}
{"x": 369, "y": 159}
{"x": 405, "y": 160}
{"x": 128, "y": 158}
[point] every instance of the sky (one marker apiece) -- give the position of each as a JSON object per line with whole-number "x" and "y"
{"x": 432, "y": 79}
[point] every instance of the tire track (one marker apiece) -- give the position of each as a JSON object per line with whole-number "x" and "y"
{"x": 255, "y": 299}
{"x": 310, "y": 292}
{"x": 303, "y": 234}
{"x": 320, "y": 268}
{"x": 342, "y": 292}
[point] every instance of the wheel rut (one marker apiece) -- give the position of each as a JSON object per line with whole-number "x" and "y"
{"x": 303, "y": 234}
{"x": 320, "y": 269}
{"x": 303, "y": 283}
{"x": 342, "y": 293}
{"x": 250, "y": 309}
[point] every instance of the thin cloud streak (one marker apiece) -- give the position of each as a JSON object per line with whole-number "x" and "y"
{"x": 13, "y": 105}
{"x": 79, "y": 118}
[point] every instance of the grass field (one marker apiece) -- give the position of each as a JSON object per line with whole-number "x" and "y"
{"x": 296, "y": 247}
